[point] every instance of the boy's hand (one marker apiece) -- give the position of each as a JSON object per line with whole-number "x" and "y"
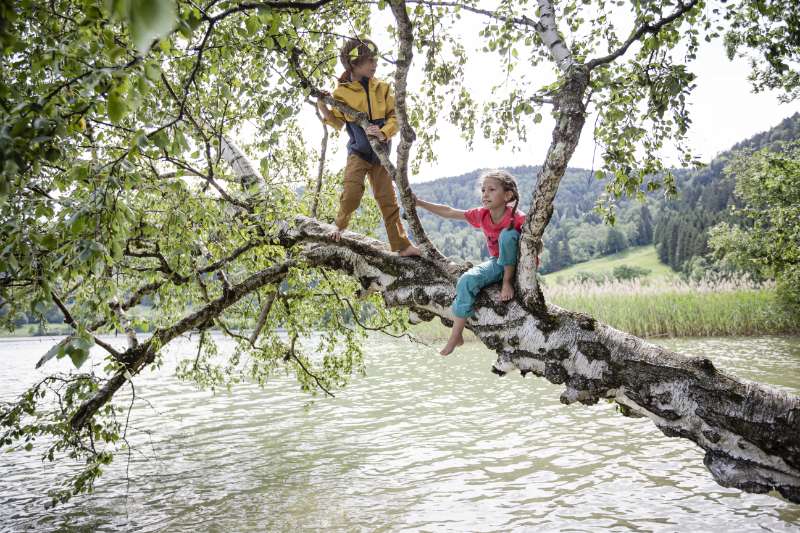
{"x": 320, "y": 102}
{"x": 336, "y": 235}
{"x": 507, "y": 292}
{"x": 375, "y": 131}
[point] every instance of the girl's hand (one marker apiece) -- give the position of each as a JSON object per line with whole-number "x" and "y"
{"x": 336, "y": 235}
{"x": 507, "y": 292}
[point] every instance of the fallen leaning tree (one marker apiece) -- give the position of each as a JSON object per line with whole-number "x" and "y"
{"x": 750, "y": 432}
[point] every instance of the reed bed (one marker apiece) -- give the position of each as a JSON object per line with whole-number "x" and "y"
{"x": 674, "y": 308}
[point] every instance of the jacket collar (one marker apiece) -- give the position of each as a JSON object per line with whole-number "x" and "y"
{"x": 357, "y": 86}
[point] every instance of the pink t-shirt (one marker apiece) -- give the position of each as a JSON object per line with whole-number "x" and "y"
{"x": 481, "y": 217}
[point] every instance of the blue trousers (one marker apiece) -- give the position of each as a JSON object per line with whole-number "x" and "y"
{"x": 473, "y": 280}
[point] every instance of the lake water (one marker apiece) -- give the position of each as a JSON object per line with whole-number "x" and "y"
{"x": 422, "y": 443}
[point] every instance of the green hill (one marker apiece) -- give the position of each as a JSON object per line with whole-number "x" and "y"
{"x": 638, "y": 256}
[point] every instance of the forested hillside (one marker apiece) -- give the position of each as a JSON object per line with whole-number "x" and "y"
{"x": 678, "y": 227}
{"x": 704, "y": 199}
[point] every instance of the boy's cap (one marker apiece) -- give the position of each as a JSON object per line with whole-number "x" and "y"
{"x": 356, "y": 49}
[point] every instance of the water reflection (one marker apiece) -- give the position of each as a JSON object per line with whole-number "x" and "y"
{"x": 421, "y": 443}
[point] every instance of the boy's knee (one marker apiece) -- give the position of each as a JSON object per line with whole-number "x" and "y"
{"x": 386, "y": 201}
{"x": 352, "y": 189}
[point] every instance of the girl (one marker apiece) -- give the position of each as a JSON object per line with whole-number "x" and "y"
{"x": 361, "y": 91}
{"x": 501, "y": 225}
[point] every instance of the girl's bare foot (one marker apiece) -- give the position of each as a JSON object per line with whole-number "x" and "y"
{"x": 409, "y": 251}
{"x": 452, "y": 344}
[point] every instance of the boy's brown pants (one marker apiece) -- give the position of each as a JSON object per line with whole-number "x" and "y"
{"x": 382, "y": 190}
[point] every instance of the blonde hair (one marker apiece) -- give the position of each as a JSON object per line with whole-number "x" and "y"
{"x": 353, "y": 52}
{"x": 508, "y": 182}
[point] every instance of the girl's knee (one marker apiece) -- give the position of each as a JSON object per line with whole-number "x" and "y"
{"x": 509, "y": 236}
{"x": 509, "y": 244}
{"x": 469, "y": 282}
{"x": 462, "y": 310}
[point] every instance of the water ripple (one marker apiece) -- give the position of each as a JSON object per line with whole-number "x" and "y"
{"x": 423, "y": 443}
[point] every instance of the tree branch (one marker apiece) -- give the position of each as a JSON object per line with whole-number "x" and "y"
{"x": 750, "y": 432}
{"x": 642, "y": 30}
{"x": 249, "y": 6}
{"x": 519, "y": 21}
{"x": 71, "y": 321}
{"x": 562, "y": 56}
{"x": 407, "y": 135}
{"x": 135, "y": 359}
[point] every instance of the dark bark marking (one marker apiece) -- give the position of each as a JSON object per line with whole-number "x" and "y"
{"x": 594, "y": 350}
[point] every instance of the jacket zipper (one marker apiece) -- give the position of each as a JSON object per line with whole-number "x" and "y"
{"x": 369, "y": 105}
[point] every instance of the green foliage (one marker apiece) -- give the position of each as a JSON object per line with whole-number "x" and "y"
{"x": 706, "y": 197}
{"x": 113, "y": 191}
{"x": 766, "y": 241}
{"x": 626, "y": 272}
{"x": 768, "y": 31}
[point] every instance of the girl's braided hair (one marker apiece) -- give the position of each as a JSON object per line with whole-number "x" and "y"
{"x": 353, "y": 52}
{"x": 508, "y": 182}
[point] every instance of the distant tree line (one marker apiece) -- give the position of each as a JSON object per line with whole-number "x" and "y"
{"x": 706, "y": 199}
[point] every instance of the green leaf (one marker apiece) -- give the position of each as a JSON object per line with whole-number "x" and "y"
{"x": 152, "y": 71}
{"x": 117, "y": 106}
{"x": 252, "y": 24}
{"x": 149, "y": 20}
{"x": 49, "y": 241}
{"x": 78, "y": 356}
{"x": 82, "y": 343}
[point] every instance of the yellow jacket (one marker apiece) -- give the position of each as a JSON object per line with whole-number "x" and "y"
{"x": 380, "y": 105}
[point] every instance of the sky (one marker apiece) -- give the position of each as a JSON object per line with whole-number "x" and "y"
{"x": 723, "y": 108}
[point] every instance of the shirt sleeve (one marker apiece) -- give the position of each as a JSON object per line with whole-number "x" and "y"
{"x": 338, "y": 119}
{"x": 474, "y": 216}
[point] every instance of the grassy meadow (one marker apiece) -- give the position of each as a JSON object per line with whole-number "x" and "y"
{"x": 637, "y": 256}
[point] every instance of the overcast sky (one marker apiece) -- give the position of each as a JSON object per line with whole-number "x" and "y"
{"x": 723, "y": 108}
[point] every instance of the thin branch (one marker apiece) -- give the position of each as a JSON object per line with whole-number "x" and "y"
{"x": 249, "y": 6}
{"x": 262, "y": 317}
{"x": 71, "y": 321}
{"x": 323, "y": 150}
{"x": 640, "y": 31}
{"x": 135, "y": 359}
{"x": 357, "y": 320}
{"x": 292, "y": 354}
{"x": 520, "y": 21}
